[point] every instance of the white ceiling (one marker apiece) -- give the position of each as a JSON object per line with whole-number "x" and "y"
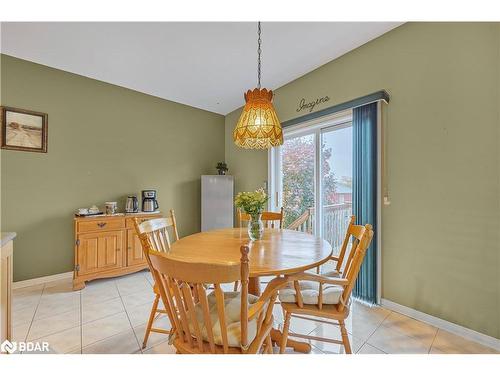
{"x": 204, "y": 65}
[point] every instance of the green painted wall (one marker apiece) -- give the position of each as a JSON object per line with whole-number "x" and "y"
{"x": 441, "y": 252}
{"x": 104, "y": 143}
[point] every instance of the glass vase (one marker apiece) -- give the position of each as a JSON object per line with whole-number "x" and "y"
{"x": 255, "y": 227}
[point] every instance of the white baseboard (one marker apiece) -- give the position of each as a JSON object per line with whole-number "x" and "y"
{"x": 467, "y": 333}
{"x": 42, "y": 280}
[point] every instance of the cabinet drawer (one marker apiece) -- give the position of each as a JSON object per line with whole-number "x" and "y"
{"x": 98, "y": 225}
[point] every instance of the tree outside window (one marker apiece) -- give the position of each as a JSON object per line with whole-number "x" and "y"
{"x": 298, "y": 158}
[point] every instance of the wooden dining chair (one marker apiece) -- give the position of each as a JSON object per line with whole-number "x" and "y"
{"x": 153, "y": 235}
{"x": 323, "y": 297}
{"x": 213, "y": 321}
{"x": 339, "y": 259}
{"x": 270, "y": 219}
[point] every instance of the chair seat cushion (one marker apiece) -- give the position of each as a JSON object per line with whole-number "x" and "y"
{"x": 232, "y": 303}
{"x": 331, "y": 274}
{"x": 310, "y": 293}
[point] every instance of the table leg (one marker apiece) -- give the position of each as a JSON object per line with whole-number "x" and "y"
{"x": 276, "y": 334}
{"x": 254, "y": 286}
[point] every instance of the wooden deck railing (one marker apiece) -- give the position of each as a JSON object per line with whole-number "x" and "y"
{"x": 303, "y": 223}
{"x": 335, "y": 222}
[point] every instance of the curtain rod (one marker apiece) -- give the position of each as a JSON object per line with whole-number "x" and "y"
{"x": 367, "y": 99}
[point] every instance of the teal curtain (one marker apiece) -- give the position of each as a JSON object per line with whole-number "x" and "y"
{"x": 364, "y": 200}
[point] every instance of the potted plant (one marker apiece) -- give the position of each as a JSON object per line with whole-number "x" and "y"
{"x": 221, "y": 168}
{"x": 253, "y": 203}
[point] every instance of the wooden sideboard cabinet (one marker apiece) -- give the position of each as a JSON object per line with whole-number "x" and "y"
{"x": 6, "y": 272}
{"x": 107, "y": 246}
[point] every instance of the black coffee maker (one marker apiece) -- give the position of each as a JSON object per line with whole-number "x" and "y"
{"x": 149, "y": 202}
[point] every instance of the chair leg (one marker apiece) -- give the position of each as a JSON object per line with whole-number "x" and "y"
{"x": 236, "y": 285}
{"x": 284, "y": 338}
{"x": 345, "y": 337}
{"x": 150, "y": 321}
{"x": 269, "y": 345}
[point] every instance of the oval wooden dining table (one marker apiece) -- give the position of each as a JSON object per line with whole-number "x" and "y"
{"x": 279, "y": 252}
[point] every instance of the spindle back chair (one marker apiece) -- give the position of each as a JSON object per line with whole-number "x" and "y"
{"x": 324, "y": 297}
{"x": 213, "y": 321}
{"x": 154, "y": 235}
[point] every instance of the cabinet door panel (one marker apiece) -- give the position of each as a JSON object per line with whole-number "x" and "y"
{"x": 108, "y": 249}
{"x": 87, "y": 254}
{"x": 135, "y": 254}
{"x": 100, "y": 251}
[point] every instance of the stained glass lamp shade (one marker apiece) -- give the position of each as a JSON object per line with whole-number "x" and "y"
{"x": 258, "y": 126}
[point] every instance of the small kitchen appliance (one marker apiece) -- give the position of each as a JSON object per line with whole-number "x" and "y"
{"x": 149, "y": 202}
{"x": 132, "y": 205}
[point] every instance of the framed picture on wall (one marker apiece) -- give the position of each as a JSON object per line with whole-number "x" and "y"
{"x": 23, "y": 130}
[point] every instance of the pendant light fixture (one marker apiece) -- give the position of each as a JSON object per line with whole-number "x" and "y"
{"x": 258, "y": 126}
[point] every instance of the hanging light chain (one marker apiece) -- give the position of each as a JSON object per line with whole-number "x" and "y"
{"x": 259, "y": 52}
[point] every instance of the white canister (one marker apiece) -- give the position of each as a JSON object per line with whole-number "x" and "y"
{"x": 111, "y": 208}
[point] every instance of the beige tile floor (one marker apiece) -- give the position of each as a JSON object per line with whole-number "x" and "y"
{"x": 109, "y": 316}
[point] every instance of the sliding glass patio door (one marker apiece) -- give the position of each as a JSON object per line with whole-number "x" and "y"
{"x": 328, "y": 169}
{"x": 312, "y": 178}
